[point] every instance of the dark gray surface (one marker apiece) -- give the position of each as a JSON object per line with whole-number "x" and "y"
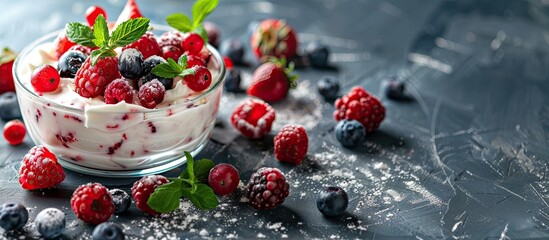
{"x": 465, "y": 159}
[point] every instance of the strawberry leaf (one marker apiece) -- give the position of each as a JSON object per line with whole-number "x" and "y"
{"x": 128, "y": 32}
{"x": 100, "y": 31}
{"x": 80, "y": 34}
{"x": 180, "y": 21}
{"x": 201, "y": 9}
{"x": 166, "y": 197}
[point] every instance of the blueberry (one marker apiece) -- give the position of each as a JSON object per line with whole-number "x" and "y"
{"x": 393, "y": 88}
{"x": 121, "y": 200}
{"x": 332, "y": 201}
{"x": 70, "y": 62}
{"x": 328, "y": 87}
{"x": 130, "y": 64}
{"x": 13, "y": 216}
{"x": 234, "y": 49}
{"x": 318, "y": 55}
{"x": 50, "y": 222}
{"x": 107, "y": 231}
{"x": 9, "y": 107}
{"x": 350, "y": 133}
{"x": 232, "y": 82}
{"x": 148, "y": 65}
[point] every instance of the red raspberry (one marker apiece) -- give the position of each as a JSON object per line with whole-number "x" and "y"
{"x": 359, "y": 105}
{"x": 290, "y": 144}
{"x": 172, "y": 38}
{"x": 147, "y": 45}
{"x": 83, "y": 49}
{"x": 45, "y": 79}
{"x": 62, "y": 44}
{"x": 193, "y": 43}
{"x": 171, "y": 52}
{"x": 14, "y": 132}
{"x": 253, "y": 118}
{"x": 117, "y": 91}
{"x": 90, "y": 81}
{"x": 143, "y": 189}
{"x": 92, "y": 203}
{"x": 92, "y": 13}
{"x": 200, "y": 80}
{"x": 151, "y": 93}
{"x": 267, "y": 188}
{"x": 40, "y": 169}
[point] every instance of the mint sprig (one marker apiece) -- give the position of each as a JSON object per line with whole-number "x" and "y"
{"x": 126, "y": 33}
{"x": 201, "y": 10}
{"x": 190, "y": 184}
{"x": 171, "y": 69}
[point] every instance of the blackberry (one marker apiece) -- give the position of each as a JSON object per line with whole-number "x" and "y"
{"x": 121, "y": 200}
{"x": 70, "y": 62}
{"x": 107, "y": 231}
{"x": 13, "y": 216}
{"x": 267, "y": 188}
{"x": 332, "y": 201}
{"x": 9, "y": 107}
{"x": 50, "y": 222}
{"x": 148, "y": 65}
{"x": 130, "y": 64}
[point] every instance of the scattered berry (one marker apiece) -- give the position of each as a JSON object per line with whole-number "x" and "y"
{"x": 92, "y": 203}
{"x": 91, "y": 81}
{"x": 148, "y": 65}
{"x": 9, "y": 107}
{"x": 62, "y": 44}
{"x": 271, "y": 82}
{"x": 70, "y": 62}
{"x": 92, "y": 13}
{"x": 223, "y": 179}
{"x": 107, "y": 231}
{"x": 6, "y": 65}
{"x": 172, "y": 38}
{"x": 359, "y": 105}
{"x": 328, "y": 87}
{"x": 232, "y": 81}
{"x": 213, "y": 32}
{"x": 200, "y": 80}
{"x": 151, "y": 94}
{"x": 14, "y": 132}
{"x": 171, "y": 52}
{"x": 234, "y": 49}
{"x": 147, "y": 45}
{"x": 332, "y": 201}
{"x": 318, "y": 55}
{"x": 267, "y": 188}
{"x": 130, "y": 64}
{"x": 350, "y": 133}
{"x": 143, "y": 189}
{"x": 273, "y": 37}
{"x": 86, "y": 50}
{"x": 13, "y": 216}
{"x": 253, "y": 118}
{"x": 117, "y": 91}
{"x": 193, "y": 43}
{"x": 45, "y": 79}
{"x": 121, "y": 200}
{"x": 393, "y": 88}
{"x": 290, "y": 144}
{"x": 40, "y": 169}
{"x": 50, "y": 223}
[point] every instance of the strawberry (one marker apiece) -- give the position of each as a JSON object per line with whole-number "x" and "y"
{"x": 131, "y": 10}
{"x": 273, "y": 37}
{"x": 271, "y": 81}
{"x": 6, "y": 77}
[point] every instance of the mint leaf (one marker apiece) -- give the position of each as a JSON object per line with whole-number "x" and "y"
{"x": 188, "y": 71}
{"x": 202, "y": 32}
{"x": 180, "y": 22}
{"x": 202, "y": 169}
{"x": 182, "y": 61}
{"x": 100, "y": 31}
{"x": 190, "y": 166}
{"x": 204, "y": 197}
{"x": 80, "y": 34}
{"x": 169, "y": 69}
{"x": 101, "y": 53}
{"x": 201, "y": 9}
{"x": 166, "y": 197}
{"x": 129, "y": 32}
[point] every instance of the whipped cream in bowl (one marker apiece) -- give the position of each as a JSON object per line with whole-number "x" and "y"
{"x": 116, "y": 140}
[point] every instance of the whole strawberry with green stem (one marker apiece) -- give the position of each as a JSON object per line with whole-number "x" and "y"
{"x": 6, "y": 77}
{"x": 201, "y": 9}
{"x": 274, "y": 38}
{"x": 271, "y": 81}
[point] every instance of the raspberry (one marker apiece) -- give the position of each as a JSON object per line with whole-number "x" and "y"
{"x": 253, "y": 118}
{"x": 92, "y": 203}
{"x": 200, "y": 80}
{"x": 171, "y": 52}
{"x": 267, "y": 188}
{"x": 151, "y": 94}
{"x": 117, "y": 91}
{"x": 193, "y": 43}
{"x": 172, "y": 38}
{"x": 147, "y": 45}
{"x": 90, "y": 81}
{"x": 359, "y": 105}
{"x": 290, "y": 144}
{"x": 62, "y": 44}
{"x": 40, "y": 169}
{"x": 14, "y": 132}
{"x": 45, "y": 79}
{"x": 143, "y": 189}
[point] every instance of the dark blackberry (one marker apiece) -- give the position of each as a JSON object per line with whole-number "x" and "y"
{"x": 13, "y": 216}
{"x": 130, "y": 64}
{"x": 70, "y": 62}
{"x": 267, "y": 188}
{"x": 148, "y": 65}
{"x": 121, "y": 199}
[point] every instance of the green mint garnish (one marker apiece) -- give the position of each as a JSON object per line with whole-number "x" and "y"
{"x": 201, "y": 10}
{"x": 190, "y": 184}
{"x": 173, "y": 69}
{"x": 126, "y": 33}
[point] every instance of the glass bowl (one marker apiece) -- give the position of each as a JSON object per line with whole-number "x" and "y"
{"x": 122, "y": 140}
